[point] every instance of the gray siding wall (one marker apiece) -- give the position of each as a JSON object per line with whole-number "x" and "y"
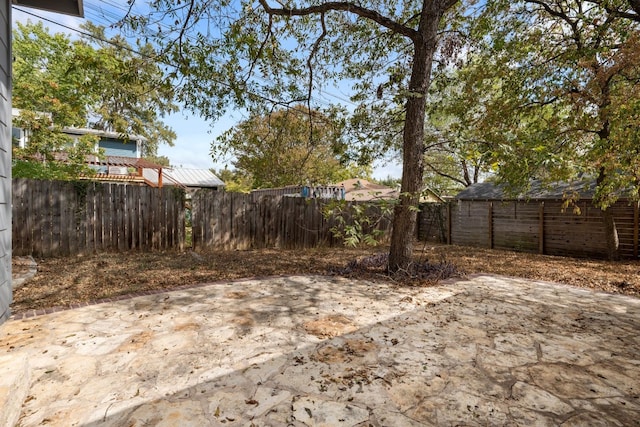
{"x": 116, "y": 147}
{"x": 5, "y": 159}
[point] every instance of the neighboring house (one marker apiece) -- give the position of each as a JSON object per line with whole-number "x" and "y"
{"x": 306, "y": 191}
{"x": 121, "y": 160}
{"x": 111, "y": 143}
{"x": 350, "y": 190}
{"x": 362, "y": 190}
{"x": 190, "y": 179}
{"x": 354, "y": 189}
{"x": 430, "y": 196}
{"x": 126, "y": 169}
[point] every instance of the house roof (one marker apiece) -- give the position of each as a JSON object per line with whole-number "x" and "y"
{"x": 361, "y": 190}
{"x": 537, "y": 191}
{"x": 202, "y": 178}
{"x": 102, "y": 133}
{"x": 428, "y": 195}
{"x": 68, "y": 7}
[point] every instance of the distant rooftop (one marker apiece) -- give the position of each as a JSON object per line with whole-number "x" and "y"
{"x": 202, "y": 178}
{"x": 362, "y": 190}
{"x": 554, "y": 191}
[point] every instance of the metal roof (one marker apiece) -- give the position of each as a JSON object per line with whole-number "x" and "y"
{"x": 536, "y": 191}
{"x": 202, "y": 178}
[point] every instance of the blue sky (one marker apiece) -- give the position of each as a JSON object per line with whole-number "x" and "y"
{"x": 194, "y": 135}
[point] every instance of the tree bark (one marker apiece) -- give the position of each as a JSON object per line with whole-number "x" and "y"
{"x": 405, "y": 213}
{"x": 424, "y": 47}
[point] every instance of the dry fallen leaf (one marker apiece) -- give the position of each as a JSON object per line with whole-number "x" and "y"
{"x": 73, "y": 280}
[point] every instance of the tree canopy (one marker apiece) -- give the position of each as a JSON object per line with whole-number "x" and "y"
{"x": 252, "y": 55}
{"x": 531, "y": 88}
{"x": 97, "y": 82}
{"x": 549, "y": 90}
{"x": 552, "y": 92}
{"x": 287, "y": 147}
{"x": 234, "y": 181}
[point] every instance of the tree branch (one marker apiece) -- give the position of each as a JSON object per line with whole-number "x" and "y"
{"x": 314, "y": 50}
{"x": 184, "y": 27}
{"x": 345, "y": 7}
{"x": 562, "y": 15}
{"x": 259, "y": 54}
{"x": 634, "y": 4}
{"x": 445, "y": 175}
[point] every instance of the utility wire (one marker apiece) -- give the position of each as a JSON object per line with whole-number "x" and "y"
{"x": 157, "y": 59}
{"x": 134, "y": 51}
{"x": 112, "y": 15}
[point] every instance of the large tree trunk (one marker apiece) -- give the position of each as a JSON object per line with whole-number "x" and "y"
{"x": 405, "y": 213}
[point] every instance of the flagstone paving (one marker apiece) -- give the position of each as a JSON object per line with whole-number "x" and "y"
{"x": 325, "y": 351}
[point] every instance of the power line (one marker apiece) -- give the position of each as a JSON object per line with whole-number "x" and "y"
{"x": 157, "y": 59}
{"x": 107, "y": 14}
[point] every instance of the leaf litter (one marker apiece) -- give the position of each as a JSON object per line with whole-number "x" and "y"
{"x": 84, "y": 278}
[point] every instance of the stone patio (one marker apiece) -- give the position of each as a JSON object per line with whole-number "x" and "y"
{"x": 326, "y": 351}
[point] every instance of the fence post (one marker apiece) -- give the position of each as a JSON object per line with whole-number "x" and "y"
{"x": 636, "y": 208}
{"x": 490, "y": 225}
{"x": 448, "y": 223}
{"x": 541, "y": 228}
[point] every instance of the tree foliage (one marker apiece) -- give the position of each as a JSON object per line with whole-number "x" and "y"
{"x": 553, "y": 92}
{"x": 234, "y": 180}
{"x": 286, "y": 147}
{"x": 49, "y": 153}
{"x": 550, "y": 88}
{"x": 248, "y": 54}
{"x": 159, "y": 160}
{"x": 95, "y": 82}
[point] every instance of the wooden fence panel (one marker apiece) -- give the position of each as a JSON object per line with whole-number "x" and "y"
{"x": 236, "y": 221}
{"x": 516, "y": 226}
{"x": 433, "y": 222}
{"x": 537, "y": 226}
{"x": 626, "y": 223}
{"x": 469, "y": 223}
{"x": 568, "y": 233}
{"x": 63, "y": 218}
{"x": 53, "y": 218}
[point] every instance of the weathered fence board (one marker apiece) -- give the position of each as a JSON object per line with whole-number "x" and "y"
{"x": 536, "y": 226}
{"x": 237, "y": 221}
{"x": 55, "y": 218}
{"x": 63, "y": 218}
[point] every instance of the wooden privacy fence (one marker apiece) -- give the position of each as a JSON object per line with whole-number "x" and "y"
{"x": 534, "y": 226}
{"x": 241, "y": 221}
{"x": 55, "y": 218}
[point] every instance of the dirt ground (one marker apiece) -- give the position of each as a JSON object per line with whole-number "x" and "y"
{"x": 71, "y": 280}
